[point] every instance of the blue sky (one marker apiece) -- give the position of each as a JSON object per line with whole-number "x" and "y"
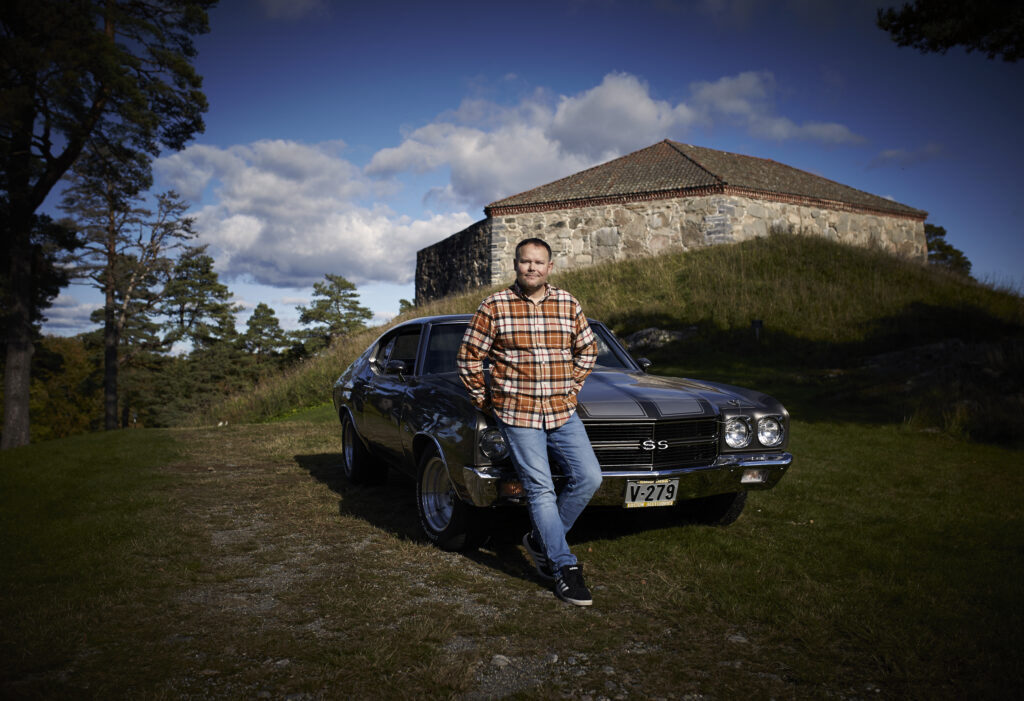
{"x": 343, "y": 136}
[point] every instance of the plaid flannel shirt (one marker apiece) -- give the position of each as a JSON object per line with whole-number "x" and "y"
{"x": 540, "y": 354}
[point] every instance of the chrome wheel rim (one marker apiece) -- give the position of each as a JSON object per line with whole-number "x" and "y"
{"x": 437, "y": 498}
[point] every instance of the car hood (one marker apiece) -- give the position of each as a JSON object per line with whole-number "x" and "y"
{"x": 622, "y": 395}
{"x": 615, "y": 394}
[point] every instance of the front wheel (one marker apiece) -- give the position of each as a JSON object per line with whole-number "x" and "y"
{"x": 449, "y": 522}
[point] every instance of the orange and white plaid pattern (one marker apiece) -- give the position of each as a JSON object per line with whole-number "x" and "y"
{"x": 540, "y": 355}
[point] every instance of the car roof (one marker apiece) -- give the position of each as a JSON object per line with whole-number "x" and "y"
{"x": 436, "y": 319}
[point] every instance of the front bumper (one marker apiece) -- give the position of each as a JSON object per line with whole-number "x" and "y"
{"x": 729, "y": 473}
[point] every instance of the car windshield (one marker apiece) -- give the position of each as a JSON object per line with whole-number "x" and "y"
{"x": 446, "y": 338}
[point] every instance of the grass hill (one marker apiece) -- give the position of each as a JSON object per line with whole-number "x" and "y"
{"x": 847, "y": 333}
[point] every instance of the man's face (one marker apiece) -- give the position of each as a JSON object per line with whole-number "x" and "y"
{"x": 532, "y": 267}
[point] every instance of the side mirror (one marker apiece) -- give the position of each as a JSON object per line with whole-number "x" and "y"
{"x": 396, "y": 367}
{"x": 644, "y": 363}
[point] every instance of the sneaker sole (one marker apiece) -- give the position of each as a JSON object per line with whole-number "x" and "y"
{"x": 575, "y": 602}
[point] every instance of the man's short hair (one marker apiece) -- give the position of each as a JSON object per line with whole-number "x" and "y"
{"x": 533, "y": 242}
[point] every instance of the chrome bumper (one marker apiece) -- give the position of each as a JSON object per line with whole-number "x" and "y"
{"x": 729, "y": 473}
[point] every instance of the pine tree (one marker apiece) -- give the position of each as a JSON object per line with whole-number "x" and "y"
{"x": 197, "y": 305}
{"x": 335, "y": 311}
{"x": 125, "y": 249}
{"x": 943, "y": 254}
{"x": 264, "y": 336}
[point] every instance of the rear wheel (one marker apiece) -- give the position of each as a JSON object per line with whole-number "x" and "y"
{"x": 356, "y": 462}
{"x": 449, "y": 522}
{"x": 717, "y": 510}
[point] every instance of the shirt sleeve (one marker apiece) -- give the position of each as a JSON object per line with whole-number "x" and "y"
{"x": 476, "y": 344}
{"x": 584, "y": 350}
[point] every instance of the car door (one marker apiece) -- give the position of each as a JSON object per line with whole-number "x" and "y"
{"x": 387, "y": 391}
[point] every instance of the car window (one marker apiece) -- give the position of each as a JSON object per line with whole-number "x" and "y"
{"x": 380, "y": 356}
{"x": 606, "y": 357}
{"x": 404, "y": 349}
{"x": 445, "y": 340}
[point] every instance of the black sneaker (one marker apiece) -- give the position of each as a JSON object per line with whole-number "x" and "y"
{"x": 540, "y": 559}
{"x": 571, "y": 587}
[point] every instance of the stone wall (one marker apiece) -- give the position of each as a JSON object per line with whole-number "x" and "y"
{"x": 589, "y": 235}
{"x": 459, "y": 262}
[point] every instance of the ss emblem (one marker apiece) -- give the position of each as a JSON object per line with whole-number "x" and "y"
{"x": 654, "y": 445}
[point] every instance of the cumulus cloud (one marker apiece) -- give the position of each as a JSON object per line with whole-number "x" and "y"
{"x": 287, "y": 213}
{"x": 615, "y": 117}
{"x": 494, "y": 151}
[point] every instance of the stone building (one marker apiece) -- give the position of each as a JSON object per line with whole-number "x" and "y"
{"x": 667, "y": 197}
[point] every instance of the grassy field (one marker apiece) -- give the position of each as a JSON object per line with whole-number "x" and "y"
{"x": 234, "y": 562}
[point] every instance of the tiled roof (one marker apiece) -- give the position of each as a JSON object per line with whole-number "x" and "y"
{"x": 671, "y": 169}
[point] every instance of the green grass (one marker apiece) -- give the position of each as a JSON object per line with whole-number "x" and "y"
{"x": 234, "y": 561}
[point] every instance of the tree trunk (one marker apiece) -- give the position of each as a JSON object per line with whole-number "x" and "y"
{"x": 17, "y": 372}
{"x": 110, "y": 336}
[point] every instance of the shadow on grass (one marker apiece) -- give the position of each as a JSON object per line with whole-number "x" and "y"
{"x": 391, "y": 507}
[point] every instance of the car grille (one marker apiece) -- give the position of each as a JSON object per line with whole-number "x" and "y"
{"x": 677, "y": 443}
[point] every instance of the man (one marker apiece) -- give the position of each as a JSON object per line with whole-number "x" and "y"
{"x": 541, "y": 349}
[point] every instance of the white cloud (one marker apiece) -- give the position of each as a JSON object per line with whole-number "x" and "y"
{"x": 615, "y": 117}
{"x": 494, "y": 151}
{"x": 287, "y": 213}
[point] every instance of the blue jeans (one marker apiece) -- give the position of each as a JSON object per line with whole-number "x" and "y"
{"x": 553, "y": 515}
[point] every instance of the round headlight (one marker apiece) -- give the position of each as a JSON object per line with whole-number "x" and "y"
{"x": 737, "y": 432}
{"x": 769, "y": 431}
{"x": 493, "y": 445}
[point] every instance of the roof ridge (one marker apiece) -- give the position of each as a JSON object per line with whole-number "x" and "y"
{"x": 675, "y": 147}
{"x": 574, "y": 175}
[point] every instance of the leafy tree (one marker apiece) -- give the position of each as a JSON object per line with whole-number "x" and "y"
{"x": 67, "y": 388}
{"x": 405, "y": 305}
{"x": 197, "y": 305}
{"x": 109, "y": 72}
{"x": 943, "y": 254}
{"x": 335, "y": 311}
{"x": 263, "y": 333}
{"x": 125, "y": 249}
{"x": 994, "y": 27}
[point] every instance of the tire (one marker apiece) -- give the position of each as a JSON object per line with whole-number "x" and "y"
{"x": 448, "y": 522}
{"x": 717, "y": 510}
{"x": 356, "y": 463}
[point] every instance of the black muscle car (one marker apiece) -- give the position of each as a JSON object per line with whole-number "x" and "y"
{"x": 661, "y": 441}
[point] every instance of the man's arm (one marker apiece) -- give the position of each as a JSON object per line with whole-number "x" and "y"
{"x": 476, "y": 344}
{"x": 584, "y": 350}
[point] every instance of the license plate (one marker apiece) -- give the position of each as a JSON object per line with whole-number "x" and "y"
{"x": 640, "y": 493}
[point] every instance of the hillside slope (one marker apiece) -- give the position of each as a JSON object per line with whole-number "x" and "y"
{"x": 839, "y": 325}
